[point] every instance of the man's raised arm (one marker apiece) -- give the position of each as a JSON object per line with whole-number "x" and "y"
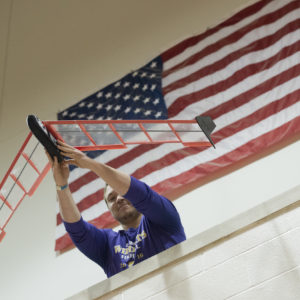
{"x": 119, "y": 181}
{"x": 67, "y": 206}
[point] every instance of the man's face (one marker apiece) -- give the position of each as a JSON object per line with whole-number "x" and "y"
{"x": 121, "y": 209}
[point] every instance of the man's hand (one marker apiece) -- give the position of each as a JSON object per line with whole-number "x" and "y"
{"x": 77, "y": 157}
{"x": 60, "y": 170}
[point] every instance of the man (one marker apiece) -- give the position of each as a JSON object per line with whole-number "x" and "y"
{"x": 150, "y": 222}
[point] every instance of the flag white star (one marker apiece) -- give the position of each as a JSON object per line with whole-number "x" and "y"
{"x": 152, "y": 75}
{"x": 144, "y": 74}
{"x": 126, "y": 84}
{"x": 118, "y": 107}
{"x": 108, "y": 107}
{"x": 117, "y": 84}
{"x": 90, "y": 117}
{"x": 146, "y": 100}
{"x": 137, "y": 110}
{"x": 158, "y": 114}
{"x": 118, "y": 96}
{"x": 135, "y": 74}
{"x": 137, "y": 97}
{"x": 147, "y": 112}
{"x": 136, "y": 86}
{"x": 127, "y": 110}
{"x": 126, "y": 97}
{"x": 82, "y": 104}
{"x": 153, "y": 87}
{"x": 145, "y": 87}
{"x": 81, "y": 116}
{"x": 154, "y": 64}
{"x": 156, "y": 101}
{"x": 99, "y": 106}
{"x": 65, "y": 113}
{"x": 108, "y": 95}
{"x": 99, "y": 94}
{"x": 90, "y": 105}
{"x": 73, "y": 114}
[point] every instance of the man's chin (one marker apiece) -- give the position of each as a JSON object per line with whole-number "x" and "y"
{"x": 127, "y": 215}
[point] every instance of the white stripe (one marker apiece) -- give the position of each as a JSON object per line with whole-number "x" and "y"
{"x": 273, "y": 6}
{"x": 105, "y": 157}
{"x": 227, "y": 72}
{"x": 257, "y": 103}
{"x": 226, "y": 145}
{"x": 227, "y": 50}
{"x": 243, "y": 86}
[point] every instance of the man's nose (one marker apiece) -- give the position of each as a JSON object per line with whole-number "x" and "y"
{"x": 120, "y": 199}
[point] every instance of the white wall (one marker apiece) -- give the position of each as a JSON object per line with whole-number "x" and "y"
{"x": 54, "y": 53}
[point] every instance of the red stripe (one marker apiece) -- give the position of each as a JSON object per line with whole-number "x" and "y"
{"x": 202, "y": 171}
{"x": 225, "y": 132}
{"x": 183, "y": 102}
{"x": 115, "y": 163}
{"x": 247, "y": 96}
{"x": 253, "y": 47}
{"x": 249, "y": 149}
{"x": 85, "y": 203}
{"x": 245, "y": 13}
{"x": 235, "y": 36}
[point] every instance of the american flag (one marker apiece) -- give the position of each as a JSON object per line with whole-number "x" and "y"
{"x": 243, "y": 73}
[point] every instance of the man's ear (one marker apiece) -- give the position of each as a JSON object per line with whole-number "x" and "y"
{"x": 104, "y": 193}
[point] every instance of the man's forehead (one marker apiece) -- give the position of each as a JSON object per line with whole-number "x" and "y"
{"x": 110, "y": 191}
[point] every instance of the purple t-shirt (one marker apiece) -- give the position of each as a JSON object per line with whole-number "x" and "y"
{"x": 160, "y": 229}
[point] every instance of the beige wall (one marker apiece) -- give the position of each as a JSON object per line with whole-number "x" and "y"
{"x": 54, "y": 53}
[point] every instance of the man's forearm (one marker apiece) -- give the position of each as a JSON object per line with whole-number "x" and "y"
{"x": 118, "y": 180}
{"x": 68, "y": 209}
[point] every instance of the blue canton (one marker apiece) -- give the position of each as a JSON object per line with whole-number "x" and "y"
{"x": 136, "y": 96}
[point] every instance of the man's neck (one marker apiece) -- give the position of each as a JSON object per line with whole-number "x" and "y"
{"x": 132, "y": 224}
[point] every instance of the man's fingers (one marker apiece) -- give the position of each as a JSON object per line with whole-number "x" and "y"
{"x": 65, "y": 149}
{"x": 68, "y": 154}
{"x": 60, "y": 143}
{"x": 71, "y": 162}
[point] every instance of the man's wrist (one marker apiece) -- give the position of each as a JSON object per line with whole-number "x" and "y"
{"x": 61, "y": 187}
{"x": 90, "y": 164}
